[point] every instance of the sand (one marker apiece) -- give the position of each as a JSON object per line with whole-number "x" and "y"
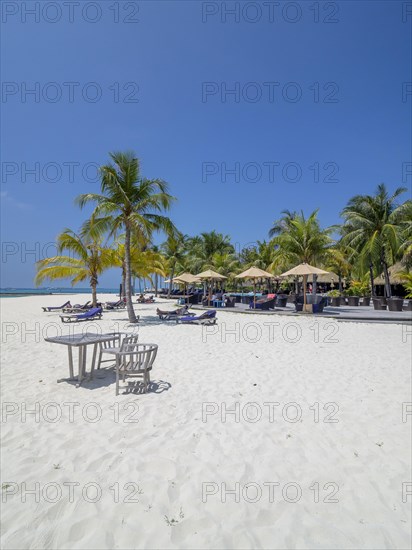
{"x": 293, "y": 435}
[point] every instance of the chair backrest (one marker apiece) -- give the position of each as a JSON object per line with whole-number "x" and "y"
{"x": 93, "y": 311}
{"x": 141, "y": 356}
{"x": 115, "y": 341}
{"x": 208, "y": 314}
{"x": 129, "y": 343}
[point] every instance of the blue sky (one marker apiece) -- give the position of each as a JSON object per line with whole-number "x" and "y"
{"x": 317, "y": 114}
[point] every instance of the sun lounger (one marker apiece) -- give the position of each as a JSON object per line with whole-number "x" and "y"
{"x": 167, "y": 315}
{"x": 263, "y": 304}
{"x": 92, "y": 314}
{"x": 77, "y": 308}
{"x": 57, "y": 308}
{"x": 206, "y": 318}
{"x": 120, "y": 304}
{"x": 149, "y": 300}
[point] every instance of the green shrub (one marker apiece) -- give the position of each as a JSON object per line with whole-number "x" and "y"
{"x": 334, "y": 293}
{"x": 358, "y": 288}
{"x": 407, "y": 285}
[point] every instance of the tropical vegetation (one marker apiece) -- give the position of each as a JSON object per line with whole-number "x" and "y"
{"x": 131, "y": 212}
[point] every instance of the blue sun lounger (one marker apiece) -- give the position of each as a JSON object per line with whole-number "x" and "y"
{"x": 206, "y": 318}
{"x": 93, "y": 313}
{"x": 57, "y": 308}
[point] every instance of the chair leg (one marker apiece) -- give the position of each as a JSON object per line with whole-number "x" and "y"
{"x": 117, "y": 375}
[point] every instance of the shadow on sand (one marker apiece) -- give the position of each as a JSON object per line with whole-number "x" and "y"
{"x": 107, "y": 377}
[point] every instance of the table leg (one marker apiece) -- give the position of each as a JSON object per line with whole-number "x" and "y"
{"x": 84, "y": 360}
{"x": 82, "y": 354}
{"x": 70, "y": 350}
{"x": 72, "y": 378}
{"x": 93, "y": 360}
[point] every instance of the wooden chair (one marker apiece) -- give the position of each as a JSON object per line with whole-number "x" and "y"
{"x": 113, "y": 345}
{"x": 133, "y": 360}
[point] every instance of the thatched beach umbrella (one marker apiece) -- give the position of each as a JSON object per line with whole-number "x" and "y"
{"x": 330, "y": 278}
{"x": 210, "y": 275}
{"x": 304, "y": 270}
{"x": 252, "y": 274}
{"x": 394, "y": 275}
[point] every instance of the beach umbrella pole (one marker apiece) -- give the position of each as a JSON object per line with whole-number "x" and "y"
{"x": 304, "y": 293}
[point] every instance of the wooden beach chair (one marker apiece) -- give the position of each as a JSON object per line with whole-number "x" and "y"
{"x": 133, "y": 360}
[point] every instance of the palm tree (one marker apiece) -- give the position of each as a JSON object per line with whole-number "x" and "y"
{"x": 337, "y": 261}
{"x": 143, "y": 263}
{"x": 156, "y": 250}
{"x": 202, "y": 248}
{"x": 407, "y": 283}
{"x": 174, "y": 250}
{"x": 374, "y": 227}
{"x": 225, "y": 263}
{"x": 406, "y": 236}
{"x": 86, "y": 260}
{"x": 248, "y": 256}
{"x": 131, "y": 203}
{"x": 299, "y": 239}
{"x": 265, "y": 253}
{"x": 282, "y": 224}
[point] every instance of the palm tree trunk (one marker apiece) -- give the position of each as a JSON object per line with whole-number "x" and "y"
{"x": 172, "y": 274}
{"x": 123, "y": 282}
{"x": 388, "y": 290}
{"x": 340, "y": 283}
{"x": 371, "y": 279}
{"x": 93, "y": 285}
{"x": 156, "y": 284}
{"x": 128, "y": 276}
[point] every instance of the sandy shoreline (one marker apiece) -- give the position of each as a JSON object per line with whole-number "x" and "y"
{"x": 316, "y": 416}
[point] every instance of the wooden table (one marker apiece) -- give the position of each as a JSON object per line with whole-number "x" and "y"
{"x": 81, "y": 341}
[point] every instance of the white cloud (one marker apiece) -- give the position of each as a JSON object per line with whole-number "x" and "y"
{"x": 10, "y": 202}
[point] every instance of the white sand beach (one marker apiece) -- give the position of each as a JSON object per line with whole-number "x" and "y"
{"x": 319, "y": 430}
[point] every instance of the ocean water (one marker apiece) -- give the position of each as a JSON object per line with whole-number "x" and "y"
{"x": 15, "y": 292}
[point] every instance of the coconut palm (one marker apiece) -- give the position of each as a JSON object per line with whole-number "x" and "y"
{"x": 374, "y": 226}
{"x": 163, "y": 263}
{"x": 131, "y": 203}
{"x": 406, "y": 236}
{"x": 143, "y": 263}
{"x": 86, "y": 259}
{"x": 298, "y": 239}
{"x": 265, "y": 252}
{"x": 338, "y": 262}
{"x": 174, "y": 250}
{"x": 224, "y": 263}
{"x": 406, "y": 277}
{"x": 202, "y": 248}
{"x": 248, "y": 256}
{"x": 282, "y": 224}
